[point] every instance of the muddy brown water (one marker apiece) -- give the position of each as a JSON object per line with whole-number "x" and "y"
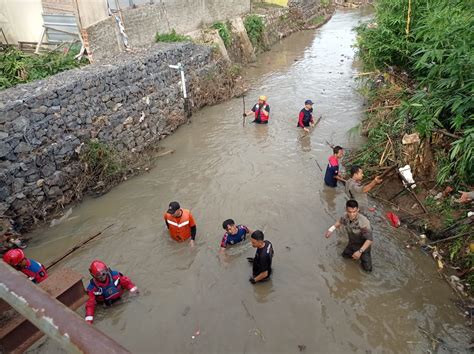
{"x": 265, "y": 177}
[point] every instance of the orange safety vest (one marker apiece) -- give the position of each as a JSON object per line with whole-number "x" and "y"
{"x": 180, "y": 228}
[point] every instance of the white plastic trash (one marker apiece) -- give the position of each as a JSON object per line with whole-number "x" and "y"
{"x": 405, "y": 171}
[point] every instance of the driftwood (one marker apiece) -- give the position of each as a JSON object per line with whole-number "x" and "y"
{"x": 59, "y": 259}
{"x": 449, "y": 238}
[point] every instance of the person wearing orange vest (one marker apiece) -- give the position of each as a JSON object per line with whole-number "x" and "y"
{"x": 180, "y": 223}
{"x": 261, "y": 110}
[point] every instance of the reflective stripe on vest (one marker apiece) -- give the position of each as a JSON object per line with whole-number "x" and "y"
{"x": 179, "y": 228}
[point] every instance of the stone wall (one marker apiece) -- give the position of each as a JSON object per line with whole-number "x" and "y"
{"x": 305, "y": 9}
{"x": 142, "y": 23}
{"x": 129, "y": 104}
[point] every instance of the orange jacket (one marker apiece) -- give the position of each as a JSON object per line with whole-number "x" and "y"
{"x": 180, "y": 228}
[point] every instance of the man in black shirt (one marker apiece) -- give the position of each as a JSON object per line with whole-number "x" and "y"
{"x": 262, "y": 262}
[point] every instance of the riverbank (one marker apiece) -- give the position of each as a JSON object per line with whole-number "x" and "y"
{"x": 419, "y": 115}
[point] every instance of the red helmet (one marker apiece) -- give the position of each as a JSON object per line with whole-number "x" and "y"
{"x": 98, "y": 269}
{"x": 14, "y": 257}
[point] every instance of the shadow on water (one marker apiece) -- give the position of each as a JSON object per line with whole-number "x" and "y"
{"x": 266, "y": 178}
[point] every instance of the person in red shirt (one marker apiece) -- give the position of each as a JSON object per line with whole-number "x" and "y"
{"x": 305, "y": 119}
{"x": 106, "y": 286}
{"x": 34, "y": 270}
{"x": 261, "y": 111}
{"x": 180, "y": 223}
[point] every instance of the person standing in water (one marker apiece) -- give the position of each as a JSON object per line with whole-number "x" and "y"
{"x": 261, "y": 110}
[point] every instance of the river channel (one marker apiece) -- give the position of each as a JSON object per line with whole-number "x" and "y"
{"x": 265, "y": 177}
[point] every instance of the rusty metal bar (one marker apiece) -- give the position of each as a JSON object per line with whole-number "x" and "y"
{"x": 51, "y": 317}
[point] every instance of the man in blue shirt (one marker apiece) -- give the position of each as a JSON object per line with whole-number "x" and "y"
{"x": 332, "y": 170}
{"x": 234, "y": 233}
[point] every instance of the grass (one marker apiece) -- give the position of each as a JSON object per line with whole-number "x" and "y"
{"x": 436, "y": 49}
{"x": 17, "y": 67}
{"x": 171, "y": 37}
{"x": 254, "y": 26}
{"x": 317, "y": 20}
{"x": 101, "y": 161}
{"x": 224, "y": 32}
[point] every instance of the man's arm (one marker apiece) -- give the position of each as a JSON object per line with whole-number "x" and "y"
{"x": 332, "y": 228}
{"x": 90, "y": 307}
{"x": 265, "y": 111}
{"x": 261, "y": 276}
{"x": 357, "y": 254}
{"x": 127, "y": 283}
{"x": 300, "y": 120}
{"x": 365, "y": 232}
{"x": 368, "y": 187}
{"x": 224, "y": 242}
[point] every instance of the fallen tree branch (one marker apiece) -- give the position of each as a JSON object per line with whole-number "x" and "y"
{"x": 444, "y": 132}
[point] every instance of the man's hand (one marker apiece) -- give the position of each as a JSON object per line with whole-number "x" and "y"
{"x": 330, "y": 231}
{"x": 252, "y": 280}
{"x": 311, "y": 124}
{"x": 306, "y": 130}
{"x": 244, "y": 115}
{"x": 356, "y": 255}
{"x": 378, "y": 180}
{"x": 134, "y": 290}
{"x": 250, "y": 259}
{"x": 191, "y": 243}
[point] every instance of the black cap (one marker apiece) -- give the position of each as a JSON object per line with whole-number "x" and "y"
{"x": 308, "y": 102}
{"x": 173, "y": 207}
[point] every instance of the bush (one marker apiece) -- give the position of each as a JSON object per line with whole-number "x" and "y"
{"x": 224, "y": 32}
{"x": 316, "y": 21}
{"x": 325, "y": 3}
{"x": 18, "y": 67}
{"x": 171, "y": 37}
{"x": 437, "y": 51}
{"x": 254, "y": 26}
{"x": 101, "y": 161}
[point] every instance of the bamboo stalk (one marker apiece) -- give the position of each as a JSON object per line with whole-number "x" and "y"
{"x": 59, "y": 259}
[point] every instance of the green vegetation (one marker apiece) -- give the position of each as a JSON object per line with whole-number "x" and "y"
{"x": 433, "y": 42}
{"x": 224, "y": 32}
{"x": 17, "y": 67}
{"x": 101, "y": 161}
{"x": 317, "y": 20}
{"x": 254, "y": 26}
{"x": 325, "y": 3}
{"x": 171, "y": 37}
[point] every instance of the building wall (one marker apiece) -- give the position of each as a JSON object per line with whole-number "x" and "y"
{"x": 21, "y": 20}
{"x": 91, "y": 11}
{"x": 142, "y": 23}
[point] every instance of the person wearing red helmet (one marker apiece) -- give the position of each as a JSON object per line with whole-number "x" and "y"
{"x": 34, "y": 270}
{"x": 106, "y": 286}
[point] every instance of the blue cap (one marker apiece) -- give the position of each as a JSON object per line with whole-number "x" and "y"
{"x": 308, "y": 102}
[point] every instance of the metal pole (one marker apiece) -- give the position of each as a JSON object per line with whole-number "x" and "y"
{"x": 53, "y": 318}
{"x": 183, "y": 80}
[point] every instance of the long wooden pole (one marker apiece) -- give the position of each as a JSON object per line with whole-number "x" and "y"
{"x": 76, "y": 247}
